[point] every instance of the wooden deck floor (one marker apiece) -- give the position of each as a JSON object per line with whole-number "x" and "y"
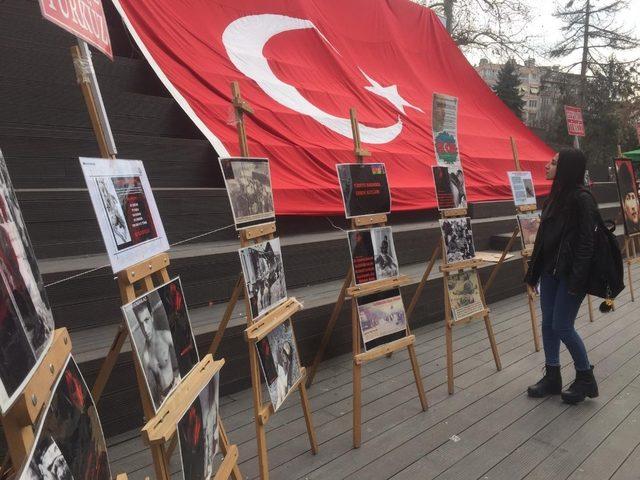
{"x": 488, "y": 429}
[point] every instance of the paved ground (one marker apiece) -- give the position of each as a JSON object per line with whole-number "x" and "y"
{"x": 488, "y": 429}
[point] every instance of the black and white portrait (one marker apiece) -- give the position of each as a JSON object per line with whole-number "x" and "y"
{"x": 153, "y": 343}
{"x": 382, "y": 318}
{"x": 199, "y": 434}
{"x": 26, "y": 322}
{"x": 264, "y": 275}
{"x": 248, "y": 182}
{"x": 458, "y": 239}
{"x": 384, "y": 253}
{"x": 47, "y": 462}
{"x": 113, "y": 210}
{"x": 280, "y": 363}
{"x": 450, "y": 187}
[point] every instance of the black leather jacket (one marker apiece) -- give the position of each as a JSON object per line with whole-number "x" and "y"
{"x": 565, "y": 242}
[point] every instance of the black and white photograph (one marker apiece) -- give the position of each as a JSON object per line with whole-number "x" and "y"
{"x": 152, "y": 341}
{"x": 373, "y": 254}
{"x": 26, "y": 322}
{"x": 70, "y": 442}
{"x": 382, "y": 318}
{"x": 522, "y": 188}
{"x": 458, "y": 239}
{"x": 464, "y": 294}
{"x": 449, "y": 185}
{"x": 126, "y": 210}
{"x": 365, "y": 189}
{"x": 263, "y": 275}
{"x": 280, "y": 362}
{"x": 199, "y": 434}
{"x": 248, "y": 182}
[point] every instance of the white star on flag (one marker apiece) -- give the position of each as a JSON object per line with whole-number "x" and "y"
{"x": 390, "y": 93}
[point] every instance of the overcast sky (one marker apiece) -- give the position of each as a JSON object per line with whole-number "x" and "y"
{"x": 547, "y": 30}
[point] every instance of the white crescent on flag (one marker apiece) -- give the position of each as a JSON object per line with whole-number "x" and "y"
{"x": 244, "y": 40}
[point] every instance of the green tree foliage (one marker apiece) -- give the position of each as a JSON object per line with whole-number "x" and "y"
{"x": 508, "y": 87}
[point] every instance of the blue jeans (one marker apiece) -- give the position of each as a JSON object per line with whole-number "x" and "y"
{"x": 559, "y": 311}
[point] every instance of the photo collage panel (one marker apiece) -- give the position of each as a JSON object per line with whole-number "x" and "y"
{"x": 464, "y": 294}
{"x": 522, "y": 188}
{"x": 373, "y": 254}
{"x": 458, "y": 239}
{"x": 450, "y": 189}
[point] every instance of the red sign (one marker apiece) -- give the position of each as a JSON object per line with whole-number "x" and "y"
{"x": 84, "y": 18}
{"x": 575, "y": 124}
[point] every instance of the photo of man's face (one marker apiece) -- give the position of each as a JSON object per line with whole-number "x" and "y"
{"x": 145, "y": 321}
{"x": 631, "y": 207}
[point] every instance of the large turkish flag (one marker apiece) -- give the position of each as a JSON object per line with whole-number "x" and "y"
{"x": 302, "y": 64}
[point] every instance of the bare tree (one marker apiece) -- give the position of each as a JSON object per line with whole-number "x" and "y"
{"x": 490, "y": 26}
{"x": 592, "y": 28}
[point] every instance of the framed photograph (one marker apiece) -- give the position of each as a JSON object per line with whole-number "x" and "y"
{"x": 365, "y": 189}
{"x": 445, "y": 130}
{"x": 263, "y": 275}
{"x": 199, "y": 435}
{"x": 373, "y": 254}
{"x": 450, "y": 189}
{"x": 126, "y": 210}
{"x": 162, "y": 338}
{"x": 248, "y": 182}
{"x": 382, "y": 318}
{"x": 628, "y": 193}
{"x": 69, "y": 443}
{"x": 464, "y": 294}
{"x": 280, "y": 362}
{"x": 522, "y": 188}
{"x": 458, "y": 239}
{"x": 529, "y": 224}
{"x": 26, "y": 322}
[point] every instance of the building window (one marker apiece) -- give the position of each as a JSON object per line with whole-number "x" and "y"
{"x": 533, "y": 103}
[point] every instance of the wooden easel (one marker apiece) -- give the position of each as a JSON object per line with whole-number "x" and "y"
{"x": 353, "y": 291}
{"x": 159, "y": 431}
{"x": 258, "y": 330}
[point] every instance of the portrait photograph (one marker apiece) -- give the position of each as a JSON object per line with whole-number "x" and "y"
{"x": 126, "y": 210}
{"x": 70, "y": 442}
{"x": 529, "y": 224}
{"x": 458, "y": 239}
{"x": 27, "y": 324}
{"x": 450, "y": 189}
{"x": 280, "y": 363}
{"x": 248, "y": 182}
{"x": 464, "y": 294}
{"x": 628, "y": 193}
{"x": 198, "y": 433}
{"x": 365, "y": 189}
{"x": 382, "y": 318}
{"x": 373, "y": 254}
{"x": 152, "y": 341}
{"x": 263, "y": 275}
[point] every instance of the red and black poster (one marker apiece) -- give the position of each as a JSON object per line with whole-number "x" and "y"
{"x": 365, "y": 190}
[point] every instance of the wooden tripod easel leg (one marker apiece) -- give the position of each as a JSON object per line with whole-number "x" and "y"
{"x": 418, "y": 377}
{"x": 306, "y": 409}
{"x": 492, "y": 341}
{"x": 337, "y": 308}
{"x": 534, "y": 318}
{"x": 448, "y": 332}
{"x": 224, "y": 446}
{"x": 109, "y": 362}
{"x": 261, "y": 435}
{"x": 423, "y": 281}
{"x": 590, "y": 304}
{"x": 357, "y": 377}
{"x": 160, "y": 462}
{"x": 235, "y": 296}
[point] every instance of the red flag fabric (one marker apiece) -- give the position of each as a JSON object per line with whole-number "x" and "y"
{"x": 301, "y": 64}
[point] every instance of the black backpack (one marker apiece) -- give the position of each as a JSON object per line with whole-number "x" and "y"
{"x": 606, "y": 273}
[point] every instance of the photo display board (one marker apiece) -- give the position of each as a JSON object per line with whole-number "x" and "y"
{"x": 458, "y": 239}
{"x": 450, "y": 189}
{"x": 126, "y": 210}
{"x": 529, "y": 224}
{"x": 522, "y": 188}
{"x": 280, "y": 363}
{"x": 199, "y": 435}
{"x": 382, "y": 318}
{"x": 464, "y": 294}
{"x": 69, "y": 443}
{"x": 445, "y": 130}
{"x": 628, "y": 193}
{"x": 373, "y": 254}
{"x": 248, "y": 182}
{"x": 162, "y": 338}
{"x": 263, "y": 272}
{"x": 365, "y": 189}
{"x": 26, "y": 322}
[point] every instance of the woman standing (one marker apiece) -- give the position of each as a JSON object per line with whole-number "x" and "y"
{"x": 561, "y": 259}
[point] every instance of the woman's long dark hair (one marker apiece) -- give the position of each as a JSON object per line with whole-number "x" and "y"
{"x": 569, "y": 176}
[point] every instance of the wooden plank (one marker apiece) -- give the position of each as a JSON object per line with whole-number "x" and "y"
{"x": 370, "y": 220}
{"x": 383, "y": 350}
{"x": 229, "y": 462}
{"x": 458, "y": 266}
{"x": 260, "y": 329}
{"x": 378, "y": 286}
{"x": 257, "y": 231}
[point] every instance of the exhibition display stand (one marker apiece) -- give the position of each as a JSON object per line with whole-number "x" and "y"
{"x": 261, "y": 328}
{"x": 351, "y": 290}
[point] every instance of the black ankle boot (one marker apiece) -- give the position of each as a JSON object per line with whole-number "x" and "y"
{"x": 550, "y": 384}
{"x": 583, "y": 386}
